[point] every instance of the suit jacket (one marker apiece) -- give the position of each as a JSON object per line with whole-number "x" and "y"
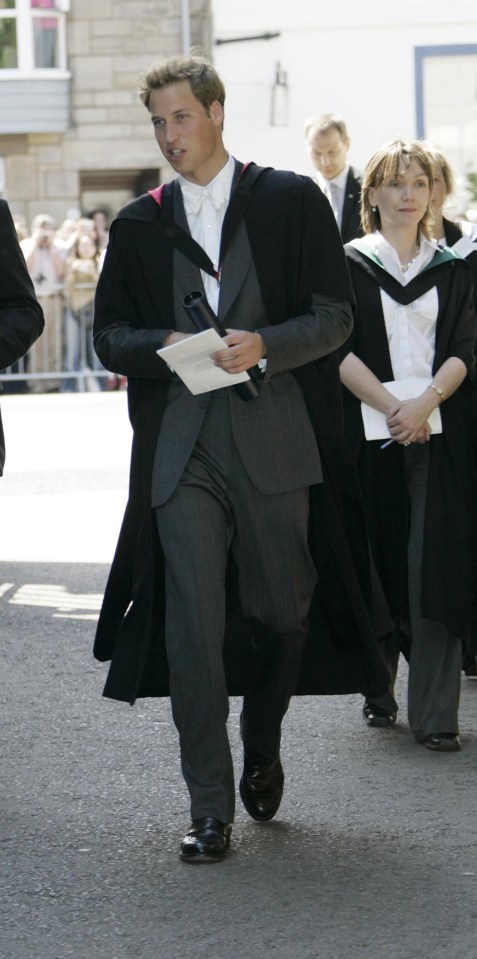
{"x": 350, "y": 219}
{"x": 273, "y": 434}
{"x": 21, "y": 317}
{"x": 297, "y": 254}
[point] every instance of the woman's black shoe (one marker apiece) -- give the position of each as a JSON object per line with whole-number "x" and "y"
{"x": 376, "y": 716}
{"x": 443, "y": 742}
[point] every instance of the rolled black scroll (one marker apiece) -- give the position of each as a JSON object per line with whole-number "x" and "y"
{"x": 203, "y": 318}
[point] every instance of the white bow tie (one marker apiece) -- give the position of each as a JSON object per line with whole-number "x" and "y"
{"x": 194, "y": 196}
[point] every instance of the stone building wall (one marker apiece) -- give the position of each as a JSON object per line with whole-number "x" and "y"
{"x": 108, "y": 153}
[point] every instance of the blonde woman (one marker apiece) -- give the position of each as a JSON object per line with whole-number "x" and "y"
{"x": 415, "y": 328}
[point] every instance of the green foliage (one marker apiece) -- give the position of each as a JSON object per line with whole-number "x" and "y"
{"x": 8, "y": 43}
{"x": 472, "y": 185}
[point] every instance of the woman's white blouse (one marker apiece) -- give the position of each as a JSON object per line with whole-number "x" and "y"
{"x": 411, "y": 329}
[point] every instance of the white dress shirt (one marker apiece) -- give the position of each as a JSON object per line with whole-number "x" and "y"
{"x": 411, "y": 329}
{"x": 335, "y": 190}
{"x": 205, "y": 208}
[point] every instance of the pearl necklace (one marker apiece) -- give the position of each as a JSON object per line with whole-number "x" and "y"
{"x": 405, "y": 266}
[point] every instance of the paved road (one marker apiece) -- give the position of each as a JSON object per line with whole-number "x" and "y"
{"x": 64, "y": 488}
{"x": 373, "y": 853}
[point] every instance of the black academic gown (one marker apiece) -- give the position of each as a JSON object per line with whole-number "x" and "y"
{"x": 21, "y": 316}
{"x": 297, "y": 251}
{"x": 450, "y": 541}
{"x": 453, "y": 234}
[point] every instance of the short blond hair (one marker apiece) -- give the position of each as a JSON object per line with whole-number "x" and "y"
{"x": 439, "y": 159}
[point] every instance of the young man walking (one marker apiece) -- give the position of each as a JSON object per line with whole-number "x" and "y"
{"x": 219, "y": 520}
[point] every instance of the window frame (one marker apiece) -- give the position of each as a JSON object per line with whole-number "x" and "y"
{"x": 420, "y": 56}
{"x": 458, "y": 155}
{"x": 25, "y": 14}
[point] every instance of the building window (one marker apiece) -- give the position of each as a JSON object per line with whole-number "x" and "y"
{"x": 32, "y": 35}
{"x": 8, "y": 36}
{"x": 446, "y": 100}
{"x": 45, "y": 34}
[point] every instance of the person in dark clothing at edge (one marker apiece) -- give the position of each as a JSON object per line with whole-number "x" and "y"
{"x": 244, "y": 520}
{"x": 21, "y": 316}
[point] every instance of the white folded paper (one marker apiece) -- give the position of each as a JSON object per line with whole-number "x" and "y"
{"x": 375, "y": 427}
{"x": 191, "y": 359}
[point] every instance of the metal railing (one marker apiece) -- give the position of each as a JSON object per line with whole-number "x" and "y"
{"x": 63, "y": 357}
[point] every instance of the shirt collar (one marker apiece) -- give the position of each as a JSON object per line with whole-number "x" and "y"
{"x": 339, "y": 181}
{"x": 390, "y": 259}
{"x": 224, "y": 176}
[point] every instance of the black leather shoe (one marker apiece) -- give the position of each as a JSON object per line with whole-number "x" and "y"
{"x": 207, "y": 841}
{"x": 376, "y": 716}
{"x": 443, "y": 742}
{"x": 261, "y": 788}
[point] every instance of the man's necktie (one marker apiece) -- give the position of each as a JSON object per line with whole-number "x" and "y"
{"x": 331, "y": 191}
{"x": 194, "y": 196}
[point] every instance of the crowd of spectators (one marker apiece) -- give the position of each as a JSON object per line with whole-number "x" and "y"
{"x": 64, "y": 262}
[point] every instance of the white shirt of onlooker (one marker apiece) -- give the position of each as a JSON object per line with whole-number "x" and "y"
{"x": 335, "y": 190}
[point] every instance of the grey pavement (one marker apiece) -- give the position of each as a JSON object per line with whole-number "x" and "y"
{"x": 372, "y": 854}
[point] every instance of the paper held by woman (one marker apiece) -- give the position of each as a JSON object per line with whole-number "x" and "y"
{"x": 374, "y": 422}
